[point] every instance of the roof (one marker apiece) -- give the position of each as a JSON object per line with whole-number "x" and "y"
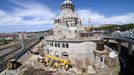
{"x": 7, "y": 35}
{"x": 67, "y": 2}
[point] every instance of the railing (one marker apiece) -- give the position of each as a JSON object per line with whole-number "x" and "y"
{"x": 71, "y": 39}
{"x": 125, "y": 34}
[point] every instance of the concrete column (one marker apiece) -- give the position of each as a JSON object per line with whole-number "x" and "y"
{"x": 61, "y": 49}
{"x": 130, "y": 48}
{"x": 94, "y": 58}
{"x": 103, "y": 62}
{"x": 119, "y": 46}
{"x": 107, "y": 41}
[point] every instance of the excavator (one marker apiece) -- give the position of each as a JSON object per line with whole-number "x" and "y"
{"x": 57, "y": 62}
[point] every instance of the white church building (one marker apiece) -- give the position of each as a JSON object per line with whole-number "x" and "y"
{"x": 66, "y": 36}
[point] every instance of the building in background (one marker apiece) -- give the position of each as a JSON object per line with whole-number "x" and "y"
{"x": 5, "y": 38}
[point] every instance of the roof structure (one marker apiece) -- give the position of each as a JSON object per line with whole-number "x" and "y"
{"x": 7, "y": 35}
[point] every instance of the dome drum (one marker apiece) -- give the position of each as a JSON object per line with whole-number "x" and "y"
{"x": 67, "y": 4}
{"x": 71, "y": 18}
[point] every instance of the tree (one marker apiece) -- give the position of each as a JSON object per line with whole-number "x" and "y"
{"x": 112, "y": 27}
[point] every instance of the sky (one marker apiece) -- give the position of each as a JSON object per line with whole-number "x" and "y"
{"x": 38, "y": 15}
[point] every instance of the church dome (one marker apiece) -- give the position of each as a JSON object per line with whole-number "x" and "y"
{"x": 69, "y": 15}
{"x": 67, "y": 4}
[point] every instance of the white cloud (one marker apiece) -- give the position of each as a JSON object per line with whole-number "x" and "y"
{"x": 30, "y": 14}
{"x": 99, "y": 19}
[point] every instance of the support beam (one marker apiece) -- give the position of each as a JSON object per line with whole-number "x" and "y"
{"x": 119, "y": 46}
{"x": 107, "y": 41}
{"x": 130, "y": 48}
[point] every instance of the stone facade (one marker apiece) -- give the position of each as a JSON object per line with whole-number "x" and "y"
{"x": 67, "y": 28}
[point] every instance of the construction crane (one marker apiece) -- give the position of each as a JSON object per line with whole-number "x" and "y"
{"x": 88, "y": 28}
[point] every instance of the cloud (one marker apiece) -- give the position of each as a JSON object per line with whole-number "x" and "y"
{"x": 2, "y": 13}
{"x": 27, "y": 14}
{"x": 34, "y": 13}
{"x": 99, "y": 19}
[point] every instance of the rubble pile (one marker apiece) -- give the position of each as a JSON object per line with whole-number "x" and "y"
{"x": 36, "y": 71}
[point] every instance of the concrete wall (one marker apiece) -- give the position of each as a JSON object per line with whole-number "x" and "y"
{"x": 75, "y": 50}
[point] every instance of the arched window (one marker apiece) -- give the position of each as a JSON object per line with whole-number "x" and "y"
{"x": 66, "y": 5}
{"x": 58, "y": 44}
{"x": 63, "y": 5}
{"x": 55, "y": 44}
{"x": 57, "y": 53}
{"x": 71, "y": 5}
{"x": 58, "y": 20}
{"x": 75, "y": 31}
{"x": 52, "y": 43}
{"x": 71, "y": 17}
{"x": 63, "y": 45}
{"x": 101, "y": 59}
{"x": 67, "y": 45}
